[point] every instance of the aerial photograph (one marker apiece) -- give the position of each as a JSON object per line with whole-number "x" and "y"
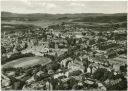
{"x": 63, "y": 45}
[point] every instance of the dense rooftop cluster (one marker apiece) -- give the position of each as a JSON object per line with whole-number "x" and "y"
{"x": 82, "y": 58}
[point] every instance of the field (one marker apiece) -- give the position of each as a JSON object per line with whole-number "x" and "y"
{"x": 27, "y": 62}
{"x": 42, "y": 23}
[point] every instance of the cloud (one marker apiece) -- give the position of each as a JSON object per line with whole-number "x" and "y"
{"x": 77, "y": 4}
{"x": 27, "y": 2}
{"x": 39, "y": 3}
{"x": 48, "y": 5}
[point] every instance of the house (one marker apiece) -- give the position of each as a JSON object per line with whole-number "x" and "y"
{"x": 116, "y": 67}
{"x": 121, "y": 59}
{"x": 64, "y": 62}
{"x": 5, "y": 81}
{"x": 58, "y": 75}
{"x": 30, "y": 80}
{"x": 76, "y": 65}
{"x": 44, "y": 44}
{"x": 120, "y": 30}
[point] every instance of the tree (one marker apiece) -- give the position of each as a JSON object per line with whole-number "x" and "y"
{"x": 101, "y": 74}
{"x": 85, "y": 64}
{"x": 55, "y": 66}
{"x": 123, "y": 68}
{"x": 75, "y": 73}
{"x": 3, "y": 50}
{"x": 26, "y": 45}
{"x": 71, "y": 82}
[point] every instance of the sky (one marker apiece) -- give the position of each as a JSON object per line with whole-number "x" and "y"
{"x": 61, "y": 7}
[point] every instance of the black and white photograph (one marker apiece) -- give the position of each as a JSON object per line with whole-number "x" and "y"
{"x": 63, "y": 45}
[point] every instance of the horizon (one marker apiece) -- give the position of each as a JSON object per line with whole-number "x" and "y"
{"x": 61, "y": 13}
{"x": 63, "y": 7}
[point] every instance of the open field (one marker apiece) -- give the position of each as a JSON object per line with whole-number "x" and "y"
{"x": 42, "y": 23}
{"x": 27, "y": 61}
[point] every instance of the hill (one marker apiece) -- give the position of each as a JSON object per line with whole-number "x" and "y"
{"x": 44, "y": 19}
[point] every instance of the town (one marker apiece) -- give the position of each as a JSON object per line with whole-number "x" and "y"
{"x": 64, "y": 56}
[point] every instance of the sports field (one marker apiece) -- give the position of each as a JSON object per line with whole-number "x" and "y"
{"x": 27, "y": 61}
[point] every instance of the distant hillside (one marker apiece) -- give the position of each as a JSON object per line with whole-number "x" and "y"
{"x": 45, "y": 15}
{"x": 44, "y": 19}
{"x": 103, "y": 19}
{"x": 9, "y": 14}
